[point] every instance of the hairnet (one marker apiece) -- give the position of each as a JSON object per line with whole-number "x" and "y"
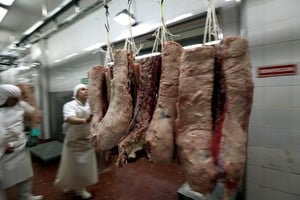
{"x": 8, "y": 90}
{"x": 76, "y": 88}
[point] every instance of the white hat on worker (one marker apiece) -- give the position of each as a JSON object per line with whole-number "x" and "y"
{"x": 76, "y": 88}
{"x": 8, "y": 90}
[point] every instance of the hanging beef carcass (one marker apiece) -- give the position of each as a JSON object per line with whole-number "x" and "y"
{"x": 194, "y": 121}
{"x": 28, "y": 96}
{"x": 160, "y": 134}
{"x": 113, "y": 126}
{"x": 232, "y": 119}
{"x": 97, "y": 94}
{"x": 145, "y": 104}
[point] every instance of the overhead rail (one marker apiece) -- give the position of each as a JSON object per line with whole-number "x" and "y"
{"x": 37, "y": 33}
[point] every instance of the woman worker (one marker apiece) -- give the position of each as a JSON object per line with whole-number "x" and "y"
{"x": 78, "y": 166}
{"x": 15, "y": 161}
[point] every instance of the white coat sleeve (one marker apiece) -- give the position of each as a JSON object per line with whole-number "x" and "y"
{"x": 27, "y": 107}
{"x": 2, "y": 140}
{"x": 69, "y": 110}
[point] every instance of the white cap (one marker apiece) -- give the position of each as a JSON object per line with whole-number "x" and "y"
{"x": 8, "y": 90}
{"x": 76, "y": 88}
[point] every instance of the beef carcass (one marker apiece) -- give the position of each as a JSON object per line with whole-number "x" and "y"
{"x": 113, "y": 126}
{"x": 232, "y": 122}
{"x": 145, "y": 104}
{"x": 159, "y": 140}
{"x": 28, "y": 95}
{"x": 194, "y": 120}
{"x": 97, "y": 94}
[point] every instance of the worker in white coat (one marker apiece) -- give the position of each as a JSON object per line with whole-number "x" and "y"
{"x": 78, "y": 166}
{"x": 2, "y": 149}
{"x": 15, "y": 161}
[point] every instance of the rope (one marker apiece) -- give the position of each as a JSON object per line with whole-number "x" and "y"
{"x": 129, "y": 42}
{"x": 211, "y": 25}
{"x": 162, "y": 34}
{"x": 109, "y": 52}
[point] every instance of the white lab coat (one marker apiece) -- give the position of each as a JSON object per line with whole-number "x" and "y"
{"x": 78, "y": 166}
{"x": 15, "y": 167}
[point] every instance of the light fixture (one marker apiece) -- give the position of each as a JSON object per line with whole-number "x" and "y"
{"x": 3, "y": 12}
{"x": 7, "y": 2}
{"x": 94, "y": 46}
{"x": 125, "y": 18}
{"x": 147, "y": 55}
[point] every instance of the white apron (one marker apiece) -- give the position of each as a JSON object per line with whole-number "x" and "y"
{"x": 15, "y": 167}
{"x": 78, "y": 166}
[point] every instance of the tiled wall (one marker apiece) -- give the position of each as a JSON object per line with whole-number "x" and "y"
{"x": 273, "y": 170}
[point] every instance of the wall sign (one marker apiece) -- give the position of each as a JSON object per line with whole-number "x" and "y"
{"x": 84, "y": 80}
{"x": 280, "y": 70}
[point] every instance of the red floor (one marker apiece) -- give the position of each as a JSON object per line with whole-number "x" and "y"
{"x": 140, "y": 180}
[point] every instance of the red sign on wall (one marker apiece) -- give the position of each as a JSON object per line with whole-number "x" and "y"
{"x": 280, "y": 70}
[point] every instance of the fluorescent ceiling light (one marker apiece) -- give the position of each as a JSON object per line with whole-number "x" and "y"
{"x": 147, "y": 55}
{"x": 125, "y": 18}
{"x": 7, "y": 2}
{"x": 200, "y": 45}
{"x": 71, "y": 55}
{"x": 22, "y": 68}
{"x": 3, "y": 12}
{"x": 95, "y": 46}
{"x": 33, "y": 27}
{"x": 66, "y": 57}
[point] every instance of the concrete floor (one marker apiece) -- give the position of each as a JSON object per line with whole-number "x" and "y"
{"x": 139, "y": 180}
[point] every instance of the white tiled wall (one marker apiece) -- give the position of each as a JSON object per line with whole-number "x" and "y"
{"x": 273, "y": 29}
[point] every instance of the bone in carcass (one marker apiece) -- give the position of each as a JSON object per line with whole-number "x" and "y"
{"x": 232, "y": 123}
{"x": 28, "y": 95}
{"x": 113, "y": 126}
{"x": 97, "y": 94}
{"x": 160, "y": 134}
{"x": 146, "y": 100}
{"x": 194, "y": 120}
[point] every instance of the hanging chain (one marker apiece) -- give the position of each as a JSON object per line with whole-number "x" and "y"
{"x": 211, "y": 25}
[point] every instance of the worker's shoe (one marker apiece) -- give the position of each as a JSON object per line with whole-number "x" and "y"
{"x": 38, "y": 197}
{"x": 84, "y": 194}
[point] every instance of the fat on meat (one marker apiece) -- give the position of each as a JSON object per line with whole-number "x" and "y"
{"x": 97, "y": 94}
{"x": 113, "y": 126}
{"x": 194, "y": 121}
{"x": 159, "y": 139}
{"x": 232, "y": 123}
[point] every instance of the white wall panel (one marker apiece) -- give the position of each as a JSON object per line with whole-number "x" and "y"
{"x": 293, "y": 163}
{"x": 254, "y": 192}
{"x": 276, "y": 179}
{"x": 293, "y": 184}
{"x": 273, "y": 30}
{"x": 257, "y": 118}
{"x": 273, "y": 194}
{"x": 257, "y": 177}
{"x": 277, "y": 118}
{"x": 293, "y": 145}
{"x": 277, "y": 138}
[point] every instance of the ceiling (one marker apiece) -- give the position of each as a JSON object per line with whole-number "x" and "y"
{"x": 50, "y": 15}
{"x": 20, "y": 16}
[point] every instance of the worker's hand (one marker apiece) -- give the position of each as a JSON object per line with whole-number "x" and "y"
{"x": 9, "y": 149}
{"x": 89, "y": 119}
